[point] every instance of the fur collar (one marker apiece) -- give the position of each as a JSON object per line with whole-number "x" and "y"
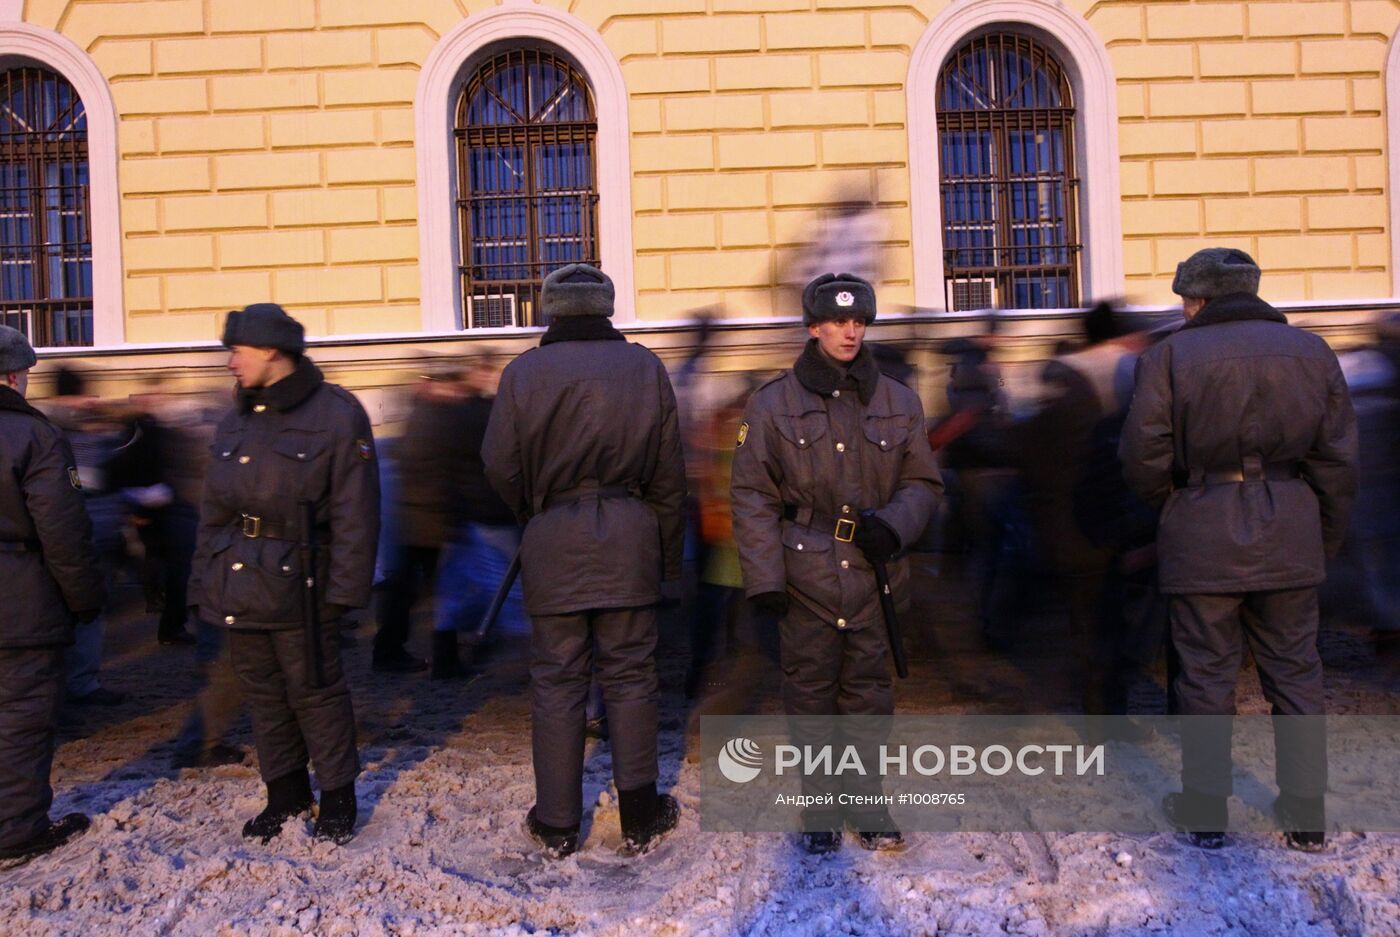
{"x": 13, "y": 400}
{"x": 581, "y": 329}
{"x": 1236, "y": 307}
{"x": 816, "y": 373}
{"x": 287, "y": 394}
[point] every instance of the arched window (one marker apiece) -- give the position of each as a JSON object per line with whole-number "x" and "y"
{"x": 46, "y": 282}
{"x": 1007, "y": 176}
{"x": 527, "y": 191}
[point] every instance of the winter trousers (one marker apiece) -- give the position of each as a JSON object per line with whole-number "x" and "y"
{"x": 620, "y": 643}
{"x": 830, "y": 672}
{"x": 1209, "y": 633}
{"x": 291, "y": 721}
{"x": 31, "y": 692}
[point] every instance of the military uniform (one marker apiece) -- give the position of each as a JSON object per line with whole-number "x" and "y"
{"x": 583, "y": 443}
{"x": 820, "y": 445}
{"x": 299, "y": 439}
{"x": 52, "y": 576}
{"x": 1242, "y": 430}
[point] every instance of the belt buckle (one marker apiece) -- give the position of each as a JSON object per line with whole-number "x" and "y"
{"x": 252, "y": 526}
{"x": 850, "y": 530}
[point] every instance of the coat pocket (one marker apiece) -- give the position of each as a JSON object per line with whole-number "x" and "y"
{"x": 887, "y": 433}
{"x": 809, "y": 565}
{"x": 803, "y": 429}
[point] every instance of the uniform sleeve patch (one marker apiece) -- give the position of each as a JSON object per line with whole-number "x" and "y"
{"x": 743, "y": 434}
{"x": 73, "y": 479}
{"x": 365, "y": 450}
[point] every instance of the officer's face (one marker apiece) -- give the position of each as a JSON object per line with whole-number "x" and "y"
{"x": 839, "y": 339}
{"x": 251, "y": 367}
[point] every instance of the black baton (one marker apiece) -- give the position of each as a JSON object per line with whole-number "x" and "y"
{"x": 311, "y": 596}
{"x": 882, "y": 583}
{"x": 499, "y": 599}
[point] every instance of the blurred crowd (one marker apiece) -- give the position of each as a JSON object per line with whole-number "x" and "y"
{"x": 1037, "y": 531}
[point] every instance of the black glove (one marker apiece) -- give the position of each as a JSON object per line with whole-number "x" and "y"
{"x": 876, "y": 539}
{"x": 83, "y": 616}
{"x": 771, "y": 603}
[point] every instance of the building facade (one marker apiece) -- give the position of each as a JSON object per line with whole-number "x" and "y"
{"x": 406, "y": 171}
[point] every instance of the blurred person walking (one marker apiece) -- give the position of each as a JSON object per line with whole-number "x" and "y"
{"x": 584, "y": 445}
{"x": 292, "y": 444}
{"x": 1242, "y": 430}
{"x": 52, "y": 579}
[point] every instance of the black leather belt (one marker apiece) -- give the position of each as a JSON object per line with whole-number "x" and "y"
{"x": 1251, "y": 470}
{"x": 19, "y": 546}
{"x": 255, "y": 527}
{"x": 574, "y": 495}
{"x": 841, "y": 528}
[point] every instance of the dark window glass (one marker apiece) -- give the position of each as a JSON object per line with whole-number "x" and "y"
{"x": 45, "y": 240}
{"x": 527, "y": 191}
{"x": 1008, "y": 183}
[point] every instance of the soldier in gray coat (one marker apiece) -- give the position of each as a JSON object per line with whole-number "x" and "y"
{"x": 290, "y": 439}
{"x": 833, "y": 472}
{"x": 52, "y": 579}
{"x": 1241, "y": 428}
{"x": 583, "y": 444}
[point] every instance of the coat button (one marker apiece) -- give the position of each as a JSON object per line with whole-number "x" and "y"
{"x": 840, "y": 622}
{"x": 845, "y": 509}
{"x": 236, "y": 567}
{"x": 302, "y": 455}
{"x": 260, "y": 408}
{"x": 286, "y": 569}
{"x": 845, "y": 564}
{"x": 882, "y": 444}
{"x": 840, "y": 447}
{"x": 227, "y": 453}
{"x": 229, "y": 620}
{"x": 244, "y": 459}
{"x": 802, "y": 442}
{"x": 799, "y": 546}
{"x": 836, "y": 393}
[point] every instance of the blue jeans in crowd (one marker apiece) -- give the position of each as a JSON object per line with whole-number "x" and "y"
{"x": 469, "y": 574}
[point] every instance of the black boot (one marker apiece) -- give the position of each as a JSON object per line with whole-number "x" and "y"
{"x": 287, "y": 796}
{"x": 49, "y": 839}
{"x": 1202, "y": 817}
{"x": 1303, "y": 820}
{"x": 335, "y": 820}
{"x": 446, "y": 664}
{"x": 646, "y": 818}
{"x": 557, "y": 841}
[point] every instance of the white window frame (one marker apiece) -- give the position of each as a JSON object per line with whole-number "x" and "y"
{"x": 449, "y": 65}
{"x": 25, "y": 44}
{"x": 1085, "y": 60}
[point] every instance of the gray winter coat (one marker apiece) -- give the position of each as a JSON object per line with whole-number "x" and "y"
{"x": 576, "y": 415}
{"x": 1238, "y": 390}
{"x": 47, "y": 561}
{"x": 813, "y": 440}
{"x": 299, "y": 439}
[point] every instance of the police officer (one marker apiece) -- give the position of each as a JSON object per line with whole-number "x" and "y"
{"x": 1242, "y": 430}
{"x": 52, "y": 578}
{"x": 820, "y": 446}
{"x": 583, "y": 444}
{"x": 291, "y": 438}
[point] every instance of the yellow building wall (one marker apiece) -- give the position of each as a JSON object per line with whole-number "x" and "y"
{"x": 267, "y": 146}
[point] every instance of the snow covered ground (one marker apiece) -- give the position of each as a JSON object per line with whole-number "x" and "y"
{"x": 447, "y": 781}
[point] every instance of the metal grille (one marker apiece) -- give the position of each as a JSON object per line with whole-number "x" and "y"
{"x": 45, "y": 241}
{"x": 1007, "y": 177}
{"x": 526, "y": 181}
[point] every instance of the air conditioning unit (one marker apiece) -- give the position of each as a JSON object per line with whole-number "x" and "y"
{"x": 974, "y": 294}
{"x": 491, "y": 311}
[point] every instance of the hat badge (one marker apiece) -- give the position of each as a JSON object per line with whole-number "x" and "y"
{"x": 845, "y": 298}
